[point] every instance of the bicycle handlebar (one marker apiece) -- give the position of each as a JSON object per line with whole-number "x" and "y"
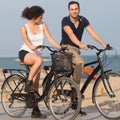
{"x": 52, "y": 49}
{"x": 108, "y": 47}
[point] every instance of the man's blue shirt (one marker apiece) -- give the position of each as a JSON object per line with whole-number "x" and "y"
{"x": 83, "y": 22}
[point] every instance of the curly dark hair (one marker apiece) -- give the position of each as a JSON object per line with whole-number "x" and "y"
{"x": 32, "y": 12}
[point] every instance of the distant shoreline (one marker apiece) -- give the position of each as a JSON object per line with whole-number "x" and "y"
{"x": 12, "y": 62}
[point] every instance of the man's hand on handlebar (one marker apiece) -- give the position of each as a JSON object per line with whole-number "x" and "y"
{"x": 108, "y": 47}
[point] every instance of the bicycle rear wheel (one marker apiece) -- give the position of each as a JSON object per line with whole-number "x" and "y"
{"x": 64, "y": 99}
{"x": 13, "y": 104}
{"x": 107, "y": 100}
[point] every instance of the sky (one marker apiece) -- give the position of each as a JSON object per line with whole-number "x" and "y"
{"x": 103, "y": 16}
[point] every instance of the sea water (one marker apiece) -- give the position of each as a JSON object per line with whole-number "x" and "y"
{"x": 12, "y": 62}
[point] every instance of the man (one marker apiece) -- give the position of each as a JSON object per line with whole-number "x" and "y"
{"x": 72, "y": 30}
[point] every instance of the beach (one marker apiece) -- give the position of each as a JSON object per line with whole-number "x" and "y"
{"x": 87, "y": 105}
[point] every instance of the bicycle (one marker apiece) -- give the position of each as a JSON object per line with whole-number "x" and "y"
{"x": 106, "y": 89}
{"x": 59, "y": 92}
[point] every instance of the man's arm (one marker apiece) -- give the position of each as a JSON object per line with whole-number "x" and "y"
{"x": 95, "y": 36}
{"x": 73, "y": 37}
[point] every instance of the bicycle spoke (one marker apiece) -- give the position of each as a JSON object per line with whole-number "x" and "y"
{"x": 13, "y": 102}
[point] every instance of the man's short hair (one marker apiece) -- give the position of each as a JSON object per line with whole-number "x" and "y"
{"x": 73, "y": 2}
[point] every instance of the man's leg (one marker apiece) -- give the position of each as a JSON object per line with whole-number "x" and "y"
{"x": 78, "y": 63}
{"x": 77, "y": 73}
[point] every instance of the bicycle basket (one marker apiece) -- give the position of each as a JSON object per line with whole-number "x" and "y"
{"x": 62, "y": 62}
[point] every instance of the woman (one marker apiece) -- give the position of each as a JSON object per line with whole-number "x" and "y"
{"x": 33, "y": 35}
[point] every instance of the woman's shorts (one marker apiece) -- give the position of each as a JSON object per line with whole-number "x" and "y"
{"x": 22, "y": 54}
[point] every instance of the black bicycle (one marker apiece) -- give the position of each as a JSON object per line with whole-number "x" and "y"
{"x": 60, "y": 94}
{"x": 106, "y": 90}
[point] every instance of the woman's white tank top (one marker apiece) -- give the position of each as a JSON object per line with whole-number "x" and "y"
{"x": 35, "y": 39}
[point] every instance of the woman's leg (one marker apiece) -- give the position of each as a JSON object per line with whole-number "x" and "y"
{"x": 36, "y": 113}
{"x": 35, "y": 62}
{"x": 36, "y": 79}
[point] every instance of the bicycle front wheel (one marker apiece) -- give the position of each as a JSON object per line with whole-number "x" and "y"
{"x": 107, "y": 95}
{"x": 64, "y": 99}
{"x": 13, "y": 103}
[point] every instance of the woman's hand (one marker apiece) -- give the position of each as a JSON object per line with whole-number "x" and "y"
{"x": 33, "y": 47}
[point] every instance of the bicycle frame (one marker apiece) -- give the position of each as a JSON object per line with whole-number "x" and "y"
{"x": 98, "y": 68}
{"x": 89, "y": 79}
{"x": 47, "y": 81}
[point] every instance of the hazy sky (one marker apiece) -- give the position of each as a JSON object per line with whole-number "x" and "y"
{"x": 103, "y": 15}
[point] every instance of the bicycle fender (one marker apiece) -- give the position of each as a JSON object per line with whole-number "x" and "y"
{"x": 8, "y": 79}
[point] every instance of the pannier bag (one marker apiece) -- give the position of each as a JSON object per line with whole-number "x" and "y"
{"x": 62, "y": 61}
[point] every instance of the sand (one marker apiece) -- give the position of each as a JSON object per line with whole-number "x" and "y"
{"x": 88, "y": 93}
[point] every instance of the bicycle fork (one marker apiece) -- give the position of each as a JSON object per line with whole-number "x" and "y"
{"x": 107, "y": 85}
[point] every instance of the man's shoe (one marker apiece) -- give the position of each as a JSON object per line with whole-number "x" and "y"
{"x": 37, "y": 114}
{"x": 82, "y": 112}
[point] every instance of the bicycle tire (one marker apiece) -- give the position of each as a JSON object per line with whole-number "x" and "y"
{"x": 13, "y": 107}
{"x": 108, "y": 105}
{"x": 64, "y": 99}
